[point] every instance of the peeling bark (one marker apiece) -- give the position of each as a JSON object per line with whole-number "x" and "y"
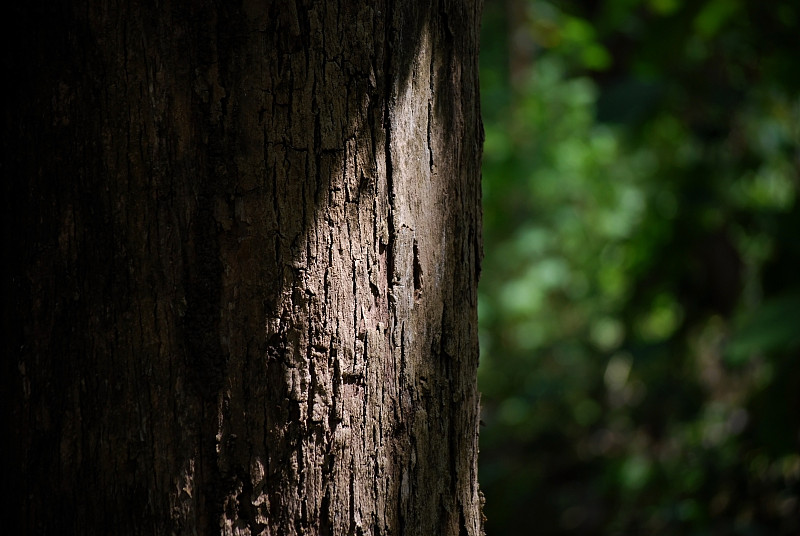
{"x": 245, "y": 248}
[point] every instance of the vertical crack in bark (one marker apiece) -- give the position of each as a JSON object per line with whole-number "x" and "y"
{"x": 275, "y": 203}
{"x": 352, "y": 505}
{"x": 430, "y": 113}
{"x": 417, "y": 268}
{"x": 387, "y": 124}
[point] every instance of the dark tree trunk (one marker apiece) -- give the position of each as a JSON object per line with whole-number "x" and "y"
{"x": 242, "y": 254}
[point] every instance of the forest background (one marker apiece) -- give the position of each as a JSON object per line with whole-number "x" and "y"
{"x": 640, "y": 296}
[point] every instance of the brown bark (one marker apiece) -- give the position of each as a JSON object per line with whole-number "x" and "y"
{"x": 244, "y": 248}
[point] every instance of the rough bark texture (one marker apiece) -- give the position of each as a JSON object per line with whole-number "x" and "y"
{"x": 244, "y": 248}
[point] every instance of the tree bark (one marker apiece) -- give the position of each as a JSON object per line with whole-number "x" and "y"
{"x": 244, "y": 248}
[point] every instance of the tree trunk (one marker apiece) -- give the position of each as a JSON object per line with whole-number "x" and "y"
{"x": 243, "y": 252}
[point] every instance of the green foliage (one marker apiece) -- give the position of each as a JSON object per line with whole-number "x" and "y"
{"x": 639, "y": 307}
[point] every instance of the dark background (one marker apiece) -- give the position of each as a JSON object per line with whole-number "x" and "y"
{"x": 640, "y": 298}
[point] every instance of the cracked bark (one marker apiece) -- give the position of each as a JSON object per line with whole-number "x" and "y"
{"x": 245, "y": 249}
